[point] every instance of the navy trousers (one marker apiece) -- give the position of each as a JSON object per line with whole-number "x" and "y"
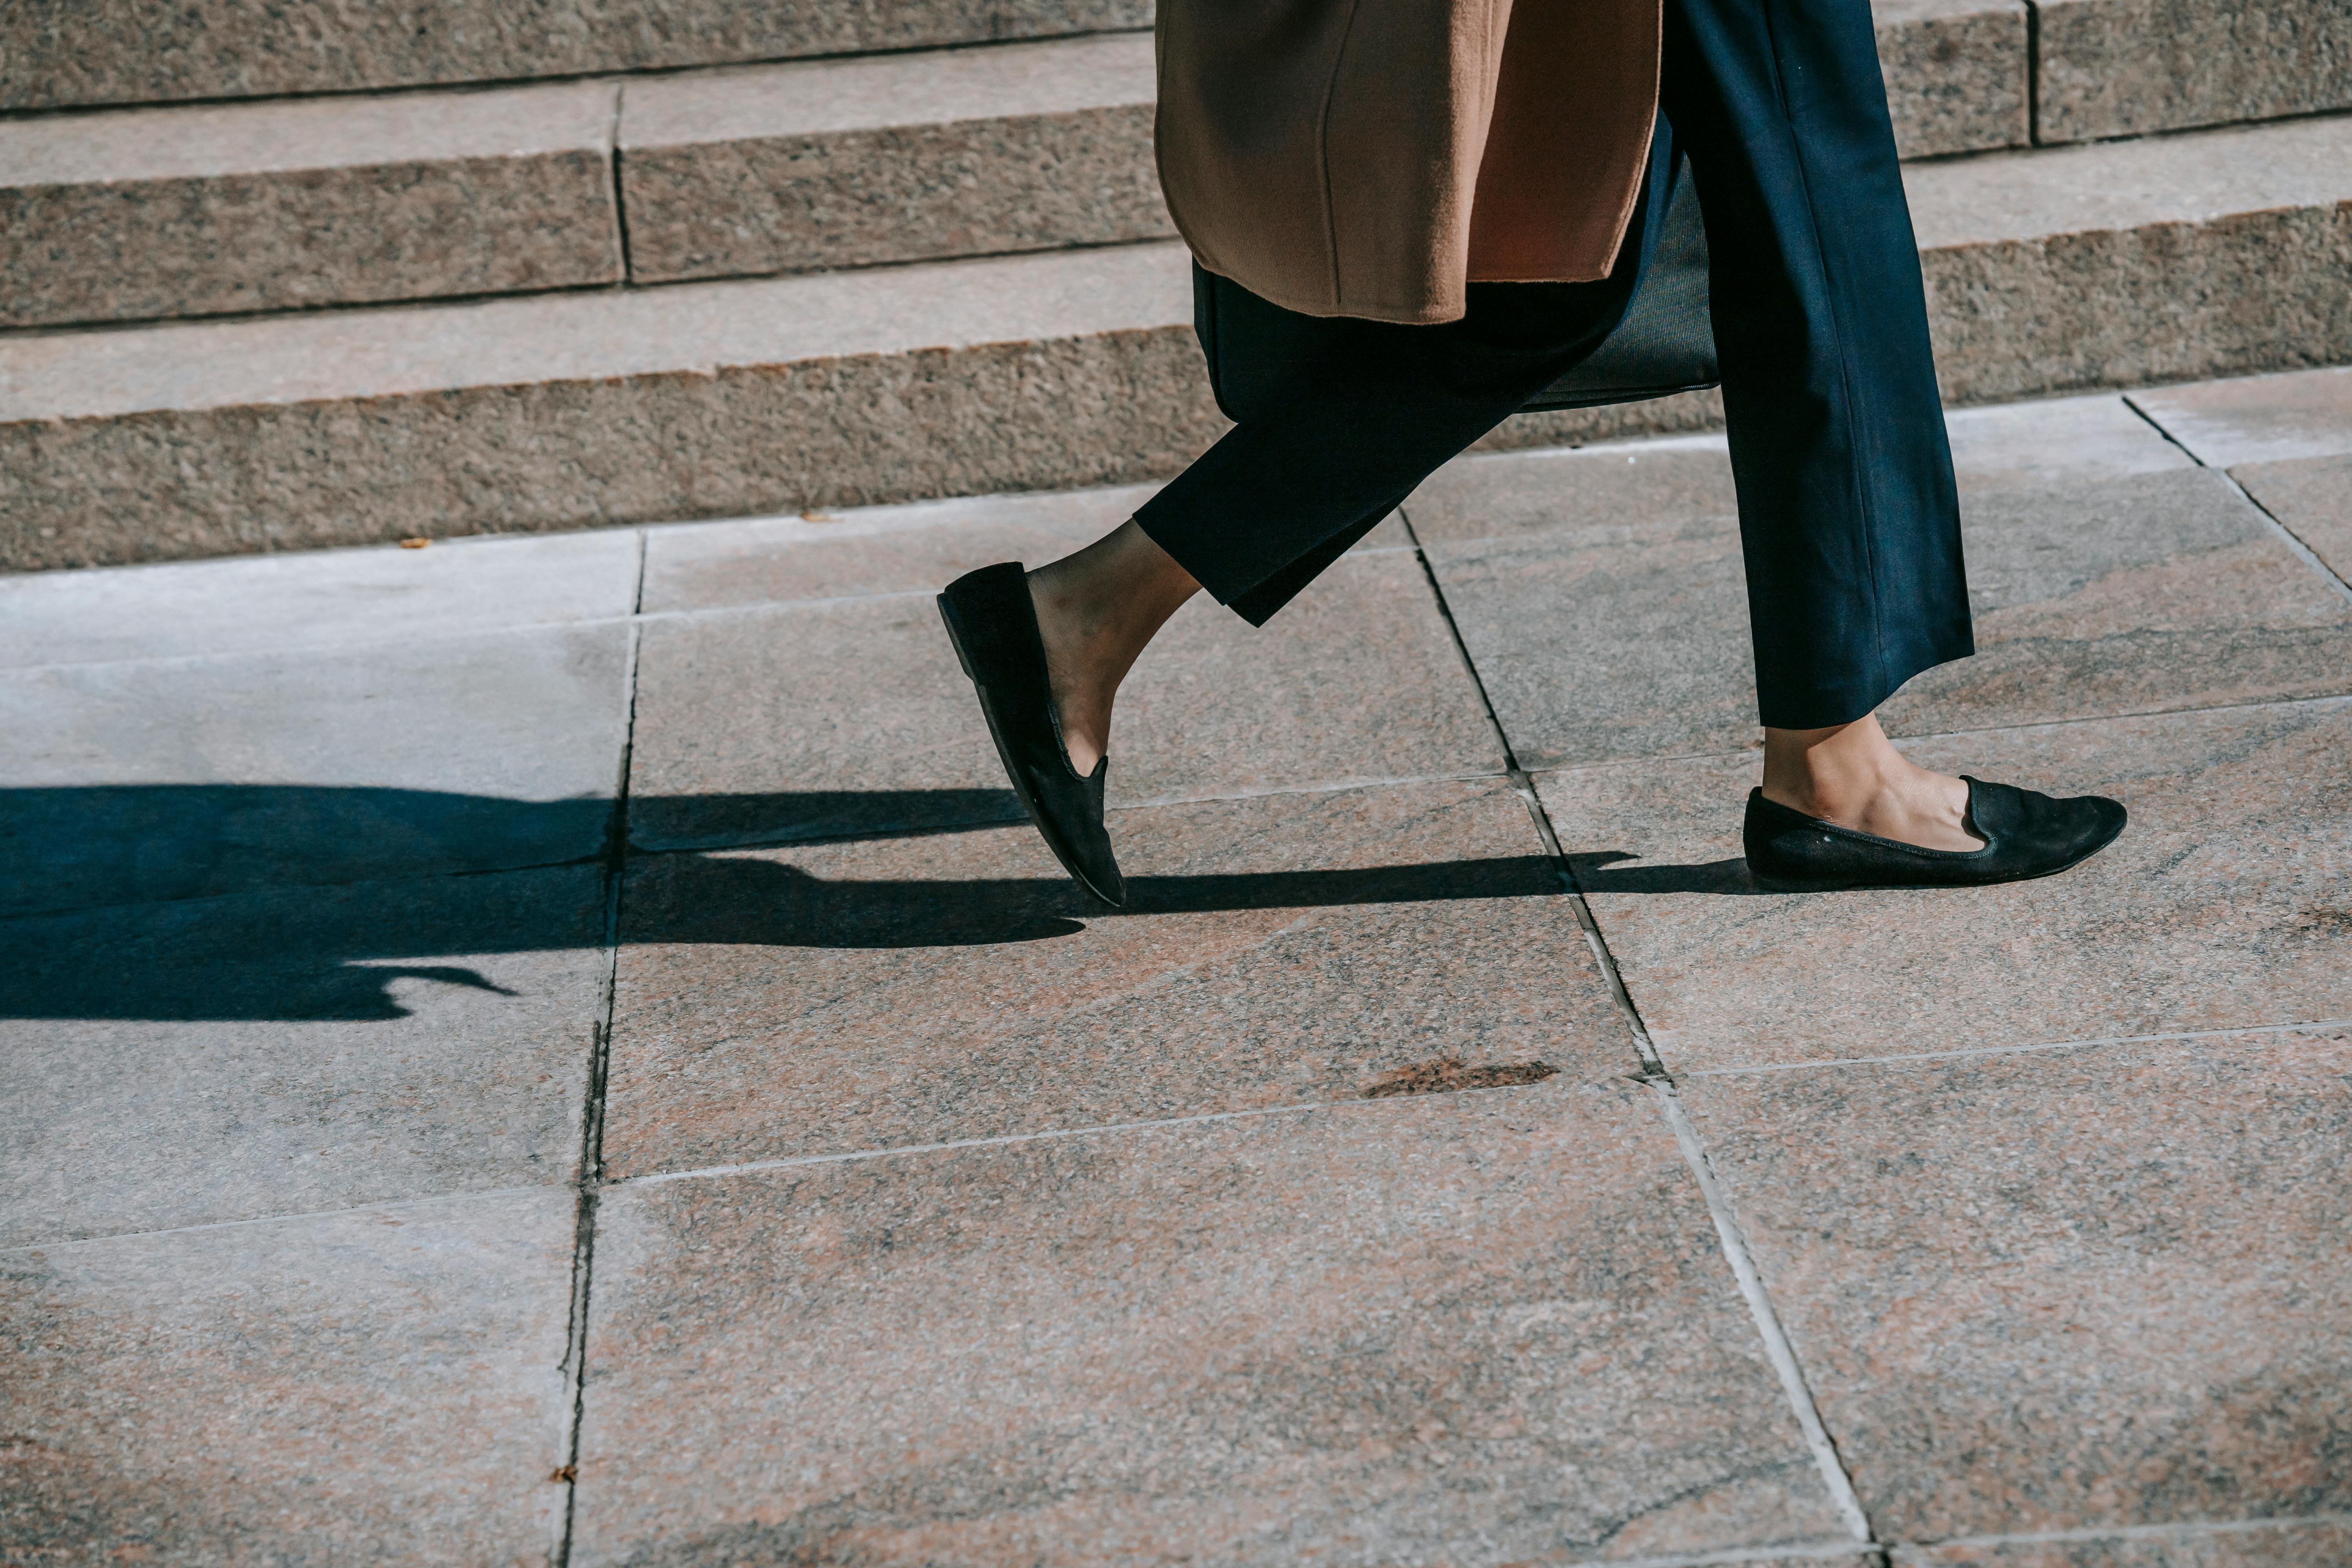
{"x": 1849, "y": 518}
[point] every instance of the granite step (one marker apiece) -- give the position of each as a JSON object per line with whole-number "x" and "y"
{"x": 807, "y": 165}
{"x": 816, "y": 164}
{"x": 2124, "y": 67}
{"x": 2205, "y": 254}
{"x": 62, "y": 54}
{"x": 217, "y": 209}
{"x": 160, "y": 213}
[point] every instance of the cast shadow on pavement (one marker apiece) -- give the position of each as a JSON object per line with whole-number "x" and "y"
{"x": 295, "y": 902}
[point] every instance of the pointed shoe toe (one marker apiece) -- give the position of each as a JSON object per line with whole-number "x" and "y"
{"x": 2026, "y": 834}
{"x": 992, "y": 622}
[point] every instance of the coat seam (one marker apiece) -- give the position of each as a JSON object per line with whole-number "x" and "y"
{"x": 1323, "y": 152}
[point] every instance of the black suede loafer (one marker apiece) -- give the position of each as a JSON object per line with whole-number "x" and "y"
{"x": 992, "y": 622}
{"x": 2026, "y": 836}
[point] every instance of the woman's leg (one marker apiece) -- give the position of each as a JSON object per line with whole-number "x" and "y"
{"x": 1849, "y": 515}
{"x": 1851, "y": 775}
{"x": 1337, "y": 421}
{"x": 1096, "y": 612}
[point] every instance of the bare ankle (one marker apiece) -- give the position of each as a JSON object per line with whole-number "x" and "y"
{"x": 1097, "y": 611}
{"x": 1851, "y": 775}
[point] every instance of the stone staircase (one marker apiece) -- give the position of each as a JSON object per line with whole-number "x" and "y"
{"x": 324, "y": 274}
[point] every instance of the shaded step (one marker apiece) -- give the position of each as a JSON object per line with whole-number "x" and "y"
{"x": 160, "y": 213}
{"x": 63, "y": 53}
{"x": 2118, "y": 68}
{"x": 151, "y": 213}
{"x": 2205, "y": 254}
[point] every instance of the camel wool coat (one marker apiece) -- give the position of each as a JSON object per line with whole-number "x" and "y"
{"x": 1370, "y": 157}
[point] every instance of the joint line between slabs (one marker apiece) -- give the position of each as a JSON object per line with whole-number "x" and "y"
{"x": 1776, "y": 1349}
{"x": 1834, "y": 1479}
{"x": 1523, "y": 785}
{"x": 2287, "y": 536}
{"x": 620, "y": 198}
{"x": 592, "y": 1111}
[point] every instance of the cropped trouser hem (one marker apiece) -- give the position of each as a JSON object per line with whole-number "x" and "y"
{"x": 1786, "y": 704}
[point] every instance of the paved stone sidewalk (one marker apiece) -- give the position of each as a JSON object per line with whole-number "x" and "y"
{"x": 558, "y": 1048}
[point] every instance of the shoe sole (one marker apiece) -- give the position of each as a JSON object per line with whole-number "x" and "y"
{"x": 1004, "y": 758}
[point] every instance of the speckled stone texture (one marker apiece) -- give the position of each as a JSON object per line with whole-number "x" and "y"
{"x": 2221, "y": 906}
{"x": 1284, "y": 949}
{"x": 384, "y": 1385}
{"x": 883, "y": 549}
{"x": 2169, "y": 260}
{"x": 176, "y": 778}
{"x": 897, "y": 158}
{"x": 56, "y": 53}
{"x": 905, "y": 193}
{"x": 321, "y": 600}
{"x": 2087, "y": 1287}
{"x": 1957, "y": 73}
{"x": 1491, "y": 1327}
{"x": 2312, "y": 499}
{"x": 1101, "y": 409}
{"x": 1602, "y": 593}
{"x": 2258, "y": 418}
{"x": 2163, "y": 591}
{"x": 2287, "y": 438}
{"x": 189, "y": 212}
{"x": 2282, "y": 1543}
{"x": 2118, "y": 68}
{"x": 295, "y": 1050}
{"x": 852, "y": 716}
{"x": 876, "y": 550}
{"x": 2068, "y": 267}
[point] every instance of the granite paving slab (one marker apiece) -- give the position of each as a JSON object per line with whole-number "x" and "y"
{"x": 2163, "y": 591}
{"x": 853, "y": 716}
{"x": 2287, "y": 438}
{"x": 2222, "y": 905}
{"x": 1482, "y": 1327}
{"x": 2265, "y": 1544}
{"x": 920, "y": 547}
{"x": 381, "y": 1384}
{"x": 1606, "y": 605}
{"x": 2087, "y": 1287}
{"x": 2258, "y": 418}
{"x": 325, "y": 599}
{"x": 1276, "y": 950}
{"x": 292, "y": 1051}
{"x": 2312, "y": 499}
{"x": 141, "y": 780}
{"x": 2055, "y": 441}
{"x": 862, "y": 551}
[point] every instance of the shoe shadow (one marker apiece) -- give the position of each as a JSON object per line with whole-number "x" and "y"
{"x": 1605, "y": 872}
{"x": 287, "y": 902}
